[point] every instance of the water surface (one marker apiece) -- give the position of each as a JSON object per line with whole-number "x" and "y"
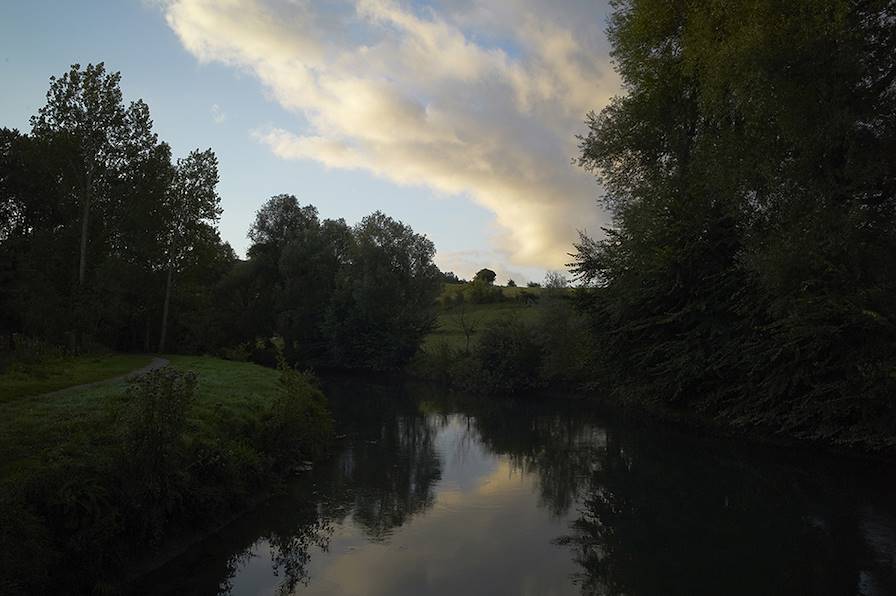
{"x": 443, "y": 494}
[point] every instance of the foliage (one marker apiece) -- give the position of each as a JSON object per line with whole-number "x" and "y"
{"x": 509, "y": 357}
{"x": 338, "y": 296}
{"x": 297, "y": 425}
{"x": 746, "y": 167}
{"x": 554, "y": 280}
{"x": 192, "y": 208}
{"x": 509, "y": 347}
{"x": 384, "y": 303}
{"x": 96, "y": 475}
{"x": 485, "y": 276}
{"x": 94, "y": 214}
{"x": 153, "y": 428}
{"x": 449, "y": 277}
{"x": 93, "y": 180}
{"x": 483, "y": 292}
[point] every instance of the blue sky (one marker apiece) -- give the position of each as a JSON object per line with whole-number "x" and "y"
{"x": 275, "y": 89}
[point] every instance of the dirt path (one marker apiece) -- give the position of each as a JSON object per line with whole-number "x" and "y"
{"x": 154, "y": 364}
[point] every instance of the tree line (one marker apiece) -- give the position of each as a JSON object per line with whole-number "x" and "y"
{"x": 749, "y": 166}
{"x": 105, "y": 240}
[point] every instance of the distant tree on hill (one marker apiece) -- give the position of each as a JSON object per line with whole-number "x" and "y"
{"x": 486, "y": 276}
{"x": 555, "y": 280}
{"x": 533, "y": 284}
{"x": 449, "y": 277}
{"x": 511, "y": 283}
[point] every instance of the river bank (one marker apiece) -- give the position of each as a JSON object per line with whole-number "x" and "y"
{"x": 525, "y": 347}
{"x": 442, "y": 492}
{"x": 85, "y": 492}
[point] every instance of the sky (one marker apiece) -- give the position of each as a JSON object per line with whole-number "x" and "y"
{"x": 456, "y": 117}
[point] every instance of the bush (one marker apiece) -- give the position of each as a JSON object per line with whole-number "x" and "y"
{"x": 445, "y": 364}
{"x": 238, "y": 353}
{"x": 562, "y": 331}
{"x": 484, "y": 293}
{"x": 297, "y": 426}
{"x": 25, "y": 549}
{"x": 509, "y": 358}
{"x": 154, "y": 466}
{"x": 21, "y": 353}
{"x": 223, "y": 473}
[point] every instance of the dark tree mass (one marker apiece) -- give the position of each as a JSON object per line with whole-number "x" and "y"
{"x": 105, "y": 241}
{"x": 750, "y": 169}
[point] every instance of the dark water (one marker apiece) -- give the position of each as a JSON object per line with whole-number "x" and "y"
{"x": 447, "y": 495}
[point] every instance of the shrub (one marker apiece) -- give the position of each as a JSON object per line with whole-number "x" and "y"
{"x": 445, "y": 364}
{"x": 26, "y": 552}
{"x": 154, "y": 467}
{"x": 509, "y": 357}
{"x": 484, "y": 293}
{"x": 21, "y": 353}
{"x": 223, "y": 472}
{"x": 297, "y": 426}
{"x": 562, "y": 331}
{"x": 238, "y": 353}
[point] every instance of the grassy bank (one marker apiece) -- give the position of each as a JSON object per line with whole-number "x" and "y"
{"x": 23, "y": 379}
{"x": 516, "y": 347}
{"x": 452, "y": 321}
{"x": 86, "y": 486}
{"x": 494, "y": 339}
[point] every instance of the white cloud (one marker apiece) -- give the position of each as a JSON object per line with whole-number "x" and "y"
{"x": 466, "y": 98}
{"x": 218, "y": 114}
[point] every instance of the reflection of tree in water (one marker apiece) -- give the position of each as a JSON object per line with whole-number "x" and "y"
{"x": 384, "y": 474}
{"x": 557, "y": 449}
{"x": 388, "y": 475}
{"x": 656, "y": 514}
{"x": 290, "y": 551}
{"x": 289, "y": 533}
{"x": 659, "y": 514}
{"x": 658, "y": 519}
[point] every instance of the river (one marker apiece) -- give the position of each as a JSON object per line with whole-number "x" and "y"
{"x": 437, "y": 493}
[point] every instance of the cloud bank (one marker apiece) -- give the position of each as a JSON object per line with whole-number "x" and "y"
{"x": 467, "y": 98}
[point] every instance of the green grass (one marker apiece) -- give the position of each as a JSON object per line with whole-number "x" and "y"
{"x": 229, "y": 392}
{"x": 80, "y": 468}
{"x": 35, "y": 379}
{"x": 450, "y": 331}
{"x": 77, "y": 422}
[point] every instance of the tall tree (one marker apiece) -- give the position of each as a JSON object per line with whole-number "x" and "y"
{"x": 192, "y": 205}
{"x": 747, "y": 168}
{"x": 385, "y": 299}
{"x": 295, "y": 259}
{"x": 88, "y": 105}
{"x": 38, "y": 214}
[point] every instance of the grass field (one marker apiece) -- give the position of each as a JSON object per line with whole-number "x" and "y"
{"x": 452, "y": 319}
{"x": 52, "y": 375}
{"x": 77, "y": 423}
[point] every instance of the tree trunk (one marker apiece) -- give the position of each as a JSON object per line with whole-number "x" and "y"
{"x": 79, "y": 302}
{"x": 165, "y": 308}
{"x": 85, "y": 219}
